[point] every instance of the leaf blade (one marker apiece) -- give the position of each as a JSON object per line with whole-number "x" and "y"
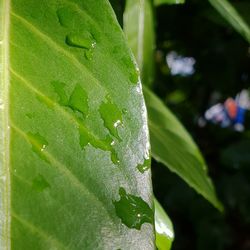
{"x": 68, "y": 158}
{"x": 139, "y": 30}
{"x": 172, "y": 146}
{"x": 164, "y": 228}
{"x": 160, "y": 2}
{"x": 229, "y": 12}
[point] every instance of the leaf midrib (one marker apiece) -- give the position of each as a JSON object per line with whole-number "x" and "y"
{"x": 5, "y": 168}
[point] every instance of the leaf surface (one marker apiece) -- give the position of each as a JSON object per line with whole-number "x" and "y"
{"x": 73, "y": 130}
{"x": 230, "y": 13}
{"x": 172, "y": 146}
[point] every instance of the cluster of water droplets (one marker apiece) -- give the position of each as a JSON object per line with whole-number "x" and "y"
{"x": 77, "y": 38}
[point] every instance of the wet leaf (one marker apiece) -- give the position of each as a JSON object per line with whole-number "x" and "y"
{"x": 64, "y": 155}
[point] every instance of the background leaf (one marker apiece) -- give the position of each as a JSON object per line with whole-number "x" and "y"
{"x": 160, "y": 2}
{"x": 227, "y": 10}
{"x": 163, "y": 227}
{"x": 139, "y": 29}
{"x": 170, "y": 142}
{"x": 75, "y": 130}
{"x": 172, "y": 146}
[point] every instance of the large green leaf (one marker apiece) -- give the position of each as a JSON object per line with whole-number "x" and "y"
{"x": 73, "y": 130}
{"x": 227, "y": 10}
{"x": 139, "y": 28}
{"x": 163, "y": 227}
{"x": 172, "y": 146}
{"x": 160, "y": 2}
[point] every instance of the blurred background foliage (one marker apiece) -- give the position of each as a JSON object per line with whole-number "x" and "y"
{"x": 221, "y": 68}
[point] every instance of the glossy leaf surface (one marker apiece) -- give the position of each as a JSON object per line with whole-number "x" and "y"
{"x": 172, "y": 146}
{"x": 230, "y": 13}
{"x": 139, "y": 29}
{"x": 73, "y": 130}
{"x": 163, "y": 227}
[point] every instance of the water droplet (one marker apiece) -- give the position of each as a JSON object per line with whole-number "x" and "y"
{"x": 78, "y": 100}
{"x": 64, "y": 17}
{"x": 114, "y": 157}
{"x": 145, "y": 166}
{"x": 111, "y": 116}
{"x": 39, "y": 144}
{"x": 59, "y": 89}
{"x": 135, "y": 76}
{"x": 124, "y": 111}
{"x": 84, "y": 137}
{"x": 30, "y": 115}
{"x": 133, "y": 210}
{"x": 40, "y": 184}
{"x": 80, "y": 41}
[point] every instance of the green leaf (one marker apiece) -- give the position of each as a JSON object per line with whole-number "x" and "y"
{"x": 73, "y": 130}
{"x": 164, "y": 228}
{"x": 160, "y": 2}
{"x": 138, "y": 24}
{"x": 172, "y": 146}
{"x": 227, "y": 10}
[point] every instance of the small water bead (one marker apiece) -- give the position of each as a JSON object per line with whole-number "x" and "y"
{"x": 145, "y": 166}
{"x": 112, "y": 117}
{"x": 78, "y": 100}
{"x": 39, "y": 144}
{"x": 133, "y": 210}
{"x": 59, "y": 89}
{"x": 30, "y": 115}
{"x": 65, "y": 17}
{"x": 80, "y": 41}
{"x": 124, "y": 111}
{"x": 135, "y": 76}
{"x": 84, "y": 137}
{"x": 40, "y": 184}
